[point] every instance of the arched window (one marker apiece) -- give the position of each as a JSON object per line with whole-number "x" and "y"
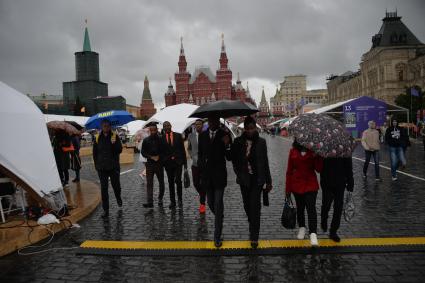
{"x": 400, "y": 75}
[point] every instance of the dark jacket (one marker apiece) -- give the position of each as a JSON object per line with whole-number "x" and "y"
{"x": 212, "y": 155}
{"x": 174, "y": 152}
{"x": 394, "y": 136}
{"x": 106, "y": 155}
{"x": 337, "y": 173}
{"x": 152, "y": 146}
{"x": 257, "y": 159}
{"x": 301, "y": 172}
{"x": 63, "y": 159}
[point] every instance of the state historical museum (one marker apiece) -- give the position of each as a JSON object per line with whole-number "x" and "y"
{"x": 203, "y": 86}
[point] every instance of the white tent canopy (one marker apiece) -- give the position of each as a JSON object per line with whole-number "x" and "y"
{"x": 177, "y": 115}
{"x": 26, "y": 153}
{"x": 134, "y": 126}
{"x": 81, "y": 120}
{"x": 329, "y": 107}
{"x": 241, "y": 126}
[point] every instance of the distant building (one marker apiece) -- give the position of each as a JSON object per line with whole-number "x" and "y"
{"x": 87, "y": 86}
{"x": 133, "y": 110}
{"x": 317, "y": 96}
{"x": 147, "y": 108}
{"x": 395, "y": 61}
{"x": 286, "y": 101}
{"x": 203, "y": 86}
{"x": 44, "y": 101}
{"x": 263, "y": 116}
{"x": 106, "y": 103}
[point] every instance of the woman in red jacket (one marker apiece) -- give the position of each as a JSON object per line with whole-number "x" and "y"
{"x": 301, "y": 181}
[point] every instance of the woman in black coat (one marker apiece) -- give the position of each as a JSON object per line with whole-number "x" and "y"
{"x": 251, "y": 165}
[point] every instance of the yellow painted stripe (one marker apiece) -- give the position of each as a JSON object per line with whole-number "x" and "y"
{"x": 193, "y": 245}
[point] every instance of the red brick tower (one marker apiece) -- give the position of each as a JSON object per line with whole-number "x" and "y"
{"x": 239, "y": 91}
{"x": 223, "y": 75}
{"x": 147, "y": 108}
{"x": 170, "y": 95}
{"x": 182, "y": 78}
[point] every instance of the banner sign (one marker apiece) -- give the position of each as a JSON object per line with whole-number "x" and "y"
{"x": 358, "y": 112}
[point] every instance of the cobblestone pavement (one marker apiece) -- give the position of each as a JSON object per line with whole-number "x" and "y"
{"x": 383, "y": 209}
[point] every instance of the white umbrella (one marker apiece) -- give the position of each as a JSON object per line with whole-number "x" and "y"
{"x": 177, "y": 115}
{"x": 134, "y": 126}
{"x": 241, "y": 126}
{"x": 28, "y": 155}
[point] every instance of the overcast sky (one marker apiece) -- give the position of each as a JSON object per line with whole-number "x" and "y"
{"x": 265, "y": 40}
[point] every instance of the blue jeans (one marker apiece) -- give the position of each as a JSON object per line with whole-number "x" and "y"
{"x": 396, "y": 156}
{"x": 375, "y": 155}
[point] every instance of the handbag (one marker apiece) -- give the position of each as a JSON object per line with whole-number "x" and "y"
{"x": 289, "y": 214}
{"x": 186, "y": 179}
{"x": 349, "y": 207}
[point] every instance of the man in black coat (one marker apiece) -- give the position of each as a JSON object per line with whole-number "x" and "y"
{"x": 336, "y": 176}
{"x": 152, "y": 148}
{"x": 106, "y": 155}
{"x": 213, "y": 149}
{"x": 251, "y": 165}
{"x": 173, "y": 159}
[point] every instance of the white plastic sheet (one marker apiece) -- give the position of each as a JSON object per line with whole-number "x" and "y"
{"x": 134, "y": 126}
{"x": 177, "y": 115}
{"x": 25, "y": 147}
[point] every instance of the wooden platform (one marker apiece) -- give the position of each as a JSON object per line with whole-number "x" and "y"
{"x": 82, "y": 198}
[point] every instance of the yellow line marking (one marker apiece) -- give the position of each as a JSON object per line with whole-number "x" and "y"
{"x": 263, "y": 244}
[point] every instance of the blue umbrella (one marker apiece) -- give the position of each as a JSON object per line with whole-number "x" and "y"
{"x": 116, "y": 117}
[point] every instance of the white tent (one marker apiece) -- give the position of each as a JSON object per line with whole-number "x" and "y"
{"x": 26, "y": 153}
{"x": 81, "y": 120}
{"x": 241, "y": 126}
{"x": 177, "y": 115}
{"x": 134, "y": 126}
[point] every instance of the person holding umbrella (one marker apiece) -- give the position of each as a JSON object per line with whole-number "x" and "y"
{"x": 213, "y": 150}
{"x": 106, "y": 154}
{"x": 251, "y": 166}
{"x": 301, "y": 181}
{"x": 328, "y": 138}
{"x": 174, "y": 158}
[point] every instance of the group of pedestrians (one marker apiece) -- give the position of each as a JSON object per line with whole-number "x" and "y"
{"x": 395, "y": 137}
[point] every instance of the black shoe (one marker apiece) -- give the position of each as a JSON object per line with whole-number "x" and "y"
{"x": 180, "y": 203}
{"x": 119, "y": 203}
{"x": 160, "y": 203}
{"x": 324, "y": 225}
{"x": 218, "y": 243}
{"x": 105, "y": 214}
{"x": 148, "y": 205}
{"x": 172, "y": 205}
{"x": 334, "y": 237}
{"x": 76, "y": 180}
{"x": 254, "y": 244}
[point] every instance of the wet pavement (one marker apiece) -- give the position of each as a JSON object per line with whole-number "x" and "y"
{"x": 383, "y": 209}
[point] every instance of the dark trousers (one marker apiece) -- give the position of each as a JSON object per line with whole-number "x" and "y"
{"x": 216, "y": 204}
{"x": 114, "y": 175}
{"x": 375, "y": 155}
{"x": 196, "y": 175}
{"x": 251, "y": 196}
{"x": 307, "y": 201}
{"x": 77, "y": 174}
{"x": 423, "y": 141}
{"x": 64, "y": 175}
{"x": 152, "y": 169}
{"x": 174, "y": 175}
{"x": 335, "y": 195}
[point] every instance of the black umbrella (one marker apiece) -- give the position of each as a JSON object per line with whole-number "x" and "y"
{"x": 75, "y": 124}
{"x": 224, "y": 109}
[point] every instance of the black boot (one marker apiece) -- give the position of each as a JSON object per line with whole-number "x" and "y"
{"x": 334, "y": 237}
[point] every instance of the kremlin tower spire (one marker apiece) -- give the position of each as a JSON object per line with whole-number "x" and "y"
{"x": 182, "y": 58}
{"x": 223, "y": 55}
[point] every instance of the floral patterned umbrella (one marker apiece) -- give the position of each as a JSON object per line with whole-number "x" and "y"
{"x": 322, "y": 134}
{"x": 63, "y": 126}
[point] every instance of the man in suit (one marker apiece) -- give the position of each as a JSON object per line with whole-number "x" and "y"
{"x": 174, "y": 158}
{"x": 251, "y": 165}
{"x": 151, "y": 150}
{"x": 213, "y": 149}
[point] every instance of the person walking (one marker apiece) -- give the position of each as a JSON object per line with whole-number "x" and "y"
{"x": 174, "y": 158}
{"x": 394, "y": 138}
{"x": 213, "y": 149}
{"x": 106, "y": 155}
{"x": 75, "y": 157}
{"x": 251, "y": 166}
{"x": 383, "y": 129}
{"x": 336, "y": 176}
{"x": 371, "y": 145}
{"x": 151, "y": 149}
{"x": 301, "y": 181}
{"x": 193, "y": 139}
{"x": 61, "y": 149}
{"x": 422, "y": 133}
